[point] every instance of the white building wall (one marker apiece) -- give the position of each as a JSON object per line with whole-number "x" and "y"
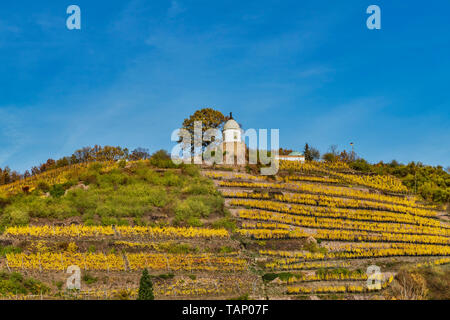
{"x": 292, "y": 158}
{"x": 232, "y": 135}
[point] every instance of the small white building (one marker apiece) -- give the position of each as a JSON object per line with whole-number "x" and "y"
{"x": 293, "y": 156}
{"x": 233, "y": 146}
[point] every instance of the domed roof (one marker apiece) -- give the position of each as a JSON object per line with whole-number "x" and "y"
{"x": 295, "y": 153}
{"x": 231, "y": 124}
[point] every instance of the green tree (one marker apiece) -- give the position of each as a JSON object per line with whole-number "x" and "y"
{"x": 329, "y": 157}
{"x": 145, "y": 287}
{"x": 210, "y": 118}
{"x": 307, "y": 153}
{"x": 311, "y": 153}
{"x": 315, "y": 153}
{"x": 139, "y": 153}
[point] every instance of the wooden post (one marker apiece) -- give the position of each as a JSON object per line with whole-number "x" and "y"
{"x": 107, "y": 264}
{"x": 167, "y": 261}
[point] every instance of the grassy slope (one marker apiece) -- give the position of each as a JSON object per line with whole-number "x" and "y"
{"x": 105, "y": 194}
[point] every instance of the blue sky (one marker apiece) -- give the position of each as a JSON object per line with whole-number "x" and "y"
{"x": 312, "y": 69}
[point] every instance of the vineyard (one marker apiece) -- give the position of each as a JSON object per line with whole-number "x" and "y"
{"x": 312, "y": 231}
{"x": 315, "y": 228}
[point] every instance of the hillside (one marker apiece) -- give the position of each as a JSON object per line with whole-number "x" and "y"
{"x": 308, "y": 233}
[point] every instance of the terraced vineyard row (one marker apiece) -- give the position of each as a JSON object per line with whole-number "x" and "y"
{"x": 324, "y": 200}
{"x": 81, "y": 231}
{"x": 128, "y": 261}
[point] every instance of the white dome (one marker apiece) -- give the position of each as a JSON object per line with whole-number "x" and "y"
{"x": 231, "y": 124}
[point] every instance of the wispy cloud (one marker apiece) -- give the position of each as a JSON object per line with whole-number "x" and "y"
{"x": 12, "y": 135}
{"x": 315, "y": 71}
{"x": 175, "y": 9}
{"x": 8, "y": 27}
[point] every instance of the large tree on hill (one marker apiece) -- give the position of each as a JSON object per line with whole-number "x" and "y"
{"x": 210, "y": 118}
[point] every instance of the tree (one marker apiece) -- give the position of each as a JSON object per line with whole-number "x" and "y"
{"x": 447, "y": 169}
{"x": 344, "y": 156}
{"x": 63, "y": 162}
{"x": 311, "y": 153}
{"x": 329, "y": 157}
{"x": 307, "y": 153}
{"x": 284, "y": 152}
{"x": 315, "y": 153}
{"x": 210, "y": 118}
{"x": 50, "y": 164}
{"x": 139, "y": 154}
{"x": 145, "y": 287}
{"x": 162, "y": 159}
{"x": 334, "y": 149}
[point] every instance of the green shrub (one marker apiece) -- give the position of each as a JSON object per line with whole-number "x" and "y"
{"x": 171, "y": 179}
{"x": 89, "y": 178}
{"x": 243, "y": 297}
{"x": 227, "y": 223}
{"x": 200, "y": 187}
{"x": 314, "y": 248}
{"x": 89, "y": 222}
{"x": 9, "y": 249}
{"x": 161, "y": 159}
{"x": 15, "y": 283}
{"x": 18, "y": 216}
{"x": 269, "y": 276}
{"x": 59, "y": 285}
{"x": 166, "y": 276}
{"x": 89, "y": 279}
{"x": 57, "y": 191}
{"x": 190, "y": 170}
{"x": 145, "y": 287}
{"x": 189, "y": 209}
{"x": 43, "y": 186}
{"x": 284, "y": 276}
{"x": 194, "y": 222}
{"x": 178, "y": 248}
{"x": 122, "y": 163}
{"x": 226, "y": 249}
{"x": 108, "y": 221}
